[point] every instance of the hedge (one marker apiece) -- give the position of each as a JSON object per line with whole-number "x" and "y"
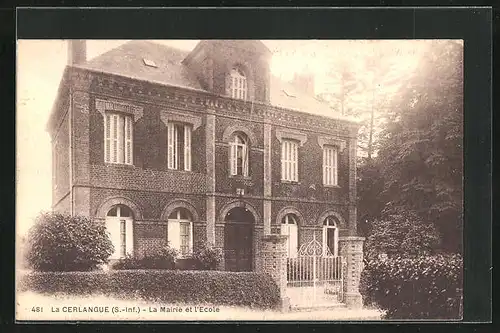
{"x": 250, "y": 289}
{"x": 425, "y": 287}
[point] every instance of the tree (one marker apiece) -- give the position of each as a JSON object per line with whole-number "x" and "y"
{"x": 421, "y": 149}
{"x": 60, "y": 242}
{"x": 401, "y": 233}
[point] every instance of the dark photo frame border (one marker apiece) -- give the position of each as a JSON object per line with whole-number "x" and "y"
{"x": 473, "y": 25}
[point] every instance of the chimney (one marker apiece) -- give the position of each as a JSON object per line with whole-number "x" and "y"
{"x": 304, "y": 82}
{"x": 77, "y": 51}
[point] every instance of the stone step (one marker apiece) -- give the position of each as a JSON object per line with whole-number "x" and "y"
{"x": 317, "y": 306}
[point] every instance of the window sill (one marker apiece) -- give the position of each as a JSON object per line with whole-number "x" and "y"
{"x": 331, "y": 186}
{"x": 290, "y": 182}
{"x": 238, "y": 177}
{"x": 177, "y": 170}
{"x": 119, "y": 165}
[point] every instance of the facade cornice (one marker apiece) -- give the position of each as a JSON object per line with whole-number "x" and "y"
{"x": 192, "y": 99}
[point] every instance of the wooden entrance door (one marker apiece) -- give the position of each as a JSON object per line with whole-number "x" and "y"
{"x": 238, "y": 241}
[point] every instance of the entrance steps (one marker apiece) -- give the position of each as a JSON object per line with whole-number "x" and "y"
{"x": 317, "y": 307}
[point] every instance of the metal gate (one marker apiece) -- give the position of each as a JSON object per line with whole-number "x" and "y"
{"x": 315, "y": 276}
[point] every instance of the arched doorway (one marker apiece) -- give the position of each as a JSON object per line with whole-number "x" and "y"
{"x": 119, "y": 225}
{"x": 238, "y": 240}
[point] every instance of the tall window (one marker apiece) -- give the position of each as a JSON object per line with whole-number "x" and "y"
{"x": 330, "y": 236}
{"x": 119, "y": 224}
{"x": 239, "y": 155}
{"x": 180, "y": 231}
{"x": 238, "y": 84}
{"x": 179, "y": 146}
{"x": 118, "y": 138}
{"x": 329, "y": 165}
{"x": 289, "y": 159}
{"x": 289, "y": 228}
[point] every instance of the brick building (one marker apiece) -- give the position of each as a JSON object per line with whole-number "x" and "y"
{"x": 164, "y": 146}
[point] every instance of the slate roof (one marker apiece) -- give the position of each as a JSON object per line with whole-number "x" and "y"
{"x": 128, "y": 60}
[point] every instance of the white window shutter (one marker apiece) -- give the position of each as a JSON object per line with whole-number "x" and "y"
{"x": 233, "y": 158}
{"x": 334, "y": 166}
{"x": 113, "y": 229}
{"x": 336, "y": 244}
{"x": 293, "y": 240}
{"x": 174, "y": 234}
{"x": 187, "y": 148}
{"x": 170, "y": 145}
{"x": 130, "y": 236}
{"x": 245, "y": 160}
{"x": 128, "y": 140}
{"x": 107, "y": 138}
{"x": 191, "y": 237}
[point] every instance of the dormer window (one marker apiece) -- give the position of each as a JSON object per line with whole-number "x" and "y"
{"x": 238, "y": 84}
{"x": 149, "y": 63}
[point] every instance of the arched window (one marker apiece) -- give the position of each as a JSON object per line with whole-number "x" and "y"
{"x": 238, "y": 158}
{"x": 238, "y": 84}
{"x": 119, "y": 224}
{"x": 180, "y": 231}
{"x": 289, "y": 228}
{"x": 330, "y": 236}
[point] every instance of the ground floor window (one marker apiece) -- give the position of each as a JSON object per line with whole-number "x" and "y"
{"x": 330, "y": 236}
{"x": 119, "y": 225}
{"x": 180, "y": 231}
{"x": 289, "y": 228}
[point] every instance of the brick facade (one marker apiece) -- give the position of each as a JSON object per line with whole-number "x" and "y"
{"x": 149, "y": 188}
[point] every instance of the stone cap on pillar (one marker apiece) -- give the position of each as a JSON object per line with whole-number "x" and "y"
{"x": 351, "y": 238}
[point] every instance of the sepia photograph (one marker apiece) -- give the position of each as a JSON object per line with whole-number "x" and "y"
{"x": 239, "y": 179}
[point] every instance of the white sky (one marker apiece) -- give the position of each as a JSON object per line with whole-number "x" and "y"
{"x": 40, "y": 64}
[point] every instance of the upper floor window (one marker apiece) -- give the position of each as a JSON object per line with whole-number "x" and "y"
{"x": 118, "y": 135}
{"x": 239, "y": 155}
{"x": 289, "y": 160}
{"x": 179, "y": 146}
{"x": 329, "y": 165}
{"x": 238, "y": 84}
{"x": 180, "y": 231}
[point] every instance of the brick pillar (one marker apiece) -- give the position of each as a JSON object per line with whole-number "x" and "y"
{"x": 210, "y": 159}
{"x": 267, "y": 178}
{"x": 351, "y": 249}
{"x": 273, "y": 253}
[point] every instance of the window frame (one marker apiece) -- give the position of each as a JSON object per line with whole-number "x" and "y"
{"x": 124, "y": 230}
{"x": 289, "y": 160}
{"x": 180, "y": 221}
{"x": 118, "y": 138}
{"x": 327, "y": 226}
{"x": 234, "y": 146}
{"x": 330, "y": 165}
{"x": 285, "y": 222}
{"x": 238, "y": 85}
{"x": 173, "y": 146}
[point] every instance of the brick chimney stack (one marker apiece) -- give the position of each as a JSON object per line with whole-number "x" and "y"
{"x": 305, "y": 82}
{"x": 77, "y": 51}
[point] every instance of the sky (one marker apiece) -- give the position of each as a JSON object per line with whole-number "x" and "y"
{"x": 40, "y": 64}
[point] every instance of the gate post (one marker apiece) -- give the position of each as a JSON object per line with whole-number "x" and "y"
{"x": 274, "y": 262}
{"x": 351, "y": 248}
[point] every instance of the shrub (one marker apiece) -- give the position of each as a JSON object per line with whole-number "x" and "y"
{"x": 163, "y": 258}
{"x": 207, "y": 257}
{"x": 60, "y": 242}
{"x": 401, "y": 233}
{"x": 251, "y": 289}
{"x": 423, "y": 287}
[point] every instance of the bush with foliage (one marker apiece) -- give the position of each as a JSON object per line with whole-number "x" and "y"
{"x": 419, "y": 287}
{"x": 401, "y": 233}
{"x": 60, "y": 242}
{"x": 251, "y": 289}
{"x": 207, "y": 257}
{"x": 162, "y": 258}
